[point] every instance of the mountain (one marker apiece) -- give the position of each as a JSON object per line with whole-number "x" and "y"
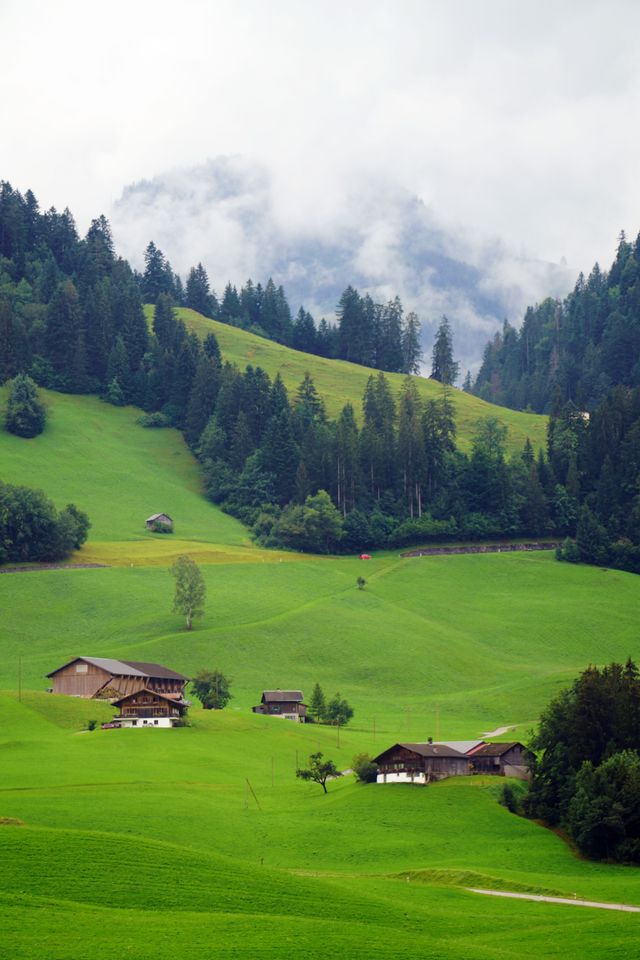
{"x": 231, "y": 215}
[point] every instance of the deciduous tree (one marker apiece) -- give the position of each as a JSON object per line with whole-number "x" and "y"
{"x": 191, "y": 589}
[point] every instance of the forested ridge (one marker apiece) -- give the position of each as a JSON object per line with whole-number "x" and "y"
{"x": 71, "y": 318}
{"x": 578, "y": 348}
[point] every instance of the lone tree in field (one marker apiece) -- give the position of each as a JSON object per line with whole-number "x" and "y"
{"x": 319, "y": 770}
{"x": 212, "y": 689}
{"x": 191, "y": 589}
{"x": 26, "y": 414}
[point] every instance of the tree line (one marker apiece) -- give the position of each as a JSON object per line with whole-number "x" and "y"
{"x": 580, "y": 347}
{"x": 365, "y": 332}
{"x": 588, "y": 777}
{"x": 33, "y": 531}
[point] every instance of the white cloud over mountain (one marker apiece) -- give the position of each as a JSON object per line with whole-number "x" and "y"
{"x": 230, "y": 214}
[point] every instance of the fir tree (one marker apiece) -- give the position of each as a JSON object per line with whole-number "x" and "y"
{"x": 443, "y": 367}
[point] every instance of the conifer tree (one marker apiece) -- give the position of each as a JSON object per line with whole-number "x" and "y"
{"x": 411, "y": 349}
{"x": 443, "y": 367}
{"x": 318, "y": 705}
{"x": 198, "y": 295}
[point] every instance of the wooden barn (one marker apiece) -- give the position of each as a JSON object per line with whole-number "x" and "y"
{"x": 282, "y": 703}
{"x": 420, "y": 763}
{"x": 503, "y": 759}
{"x": 425, "y": 762}
{"x": 149, "y": 708}
{"x": 159, "y": 521}
{"x": 109, "y": 679}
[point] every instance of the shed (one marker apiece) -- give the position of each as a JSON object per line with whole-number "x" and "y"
{"x": 159, "y": 521}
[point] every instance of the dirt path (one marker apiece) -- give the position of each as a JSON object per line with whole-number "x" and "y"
{"x": 482, "y": 548}
{"x": 497, "y": 732}
{"x": 566, "y": 900}
{"x": 55, "y": 566}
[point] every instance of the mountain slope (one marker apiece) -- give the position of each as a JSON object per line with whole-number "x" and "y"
{"x": 97, "y": 456}
{"x": 339, "y": 382}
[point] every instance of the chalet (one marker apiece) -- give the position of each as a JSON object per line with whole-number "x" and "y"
{"x": 425, "y": 762}
{"x": 159, "y": 520}
{"x": 149, "y": 708}
{"x": 503, "y": 759}
{"x": 108, "y": 679}
{"x": 420, "y": 763}
{"x": 282, "y": 703}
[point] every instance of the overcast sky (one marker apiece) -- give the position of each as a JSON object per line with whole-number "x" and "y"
{"x": 513, "y": 119}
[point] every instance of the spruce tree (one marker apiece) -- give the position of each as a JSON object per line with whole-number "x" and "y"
{"x": 198, "y": 295}
{"x": 411, "y": 349}
{"x": 443, "y": 367}
{"x": 318, "y": 706}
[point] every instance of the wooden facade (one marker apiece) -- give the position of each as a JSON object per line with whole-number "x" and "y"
{"x": 159, "y": 520}
{"x": 420, "y": 763}
{"x": 149, "y": 708}
{"x": 423, "y": 763}
{"x": 282, "y": 703}
{"x": 104, "y": 678}
{"x": 502, "y": 759}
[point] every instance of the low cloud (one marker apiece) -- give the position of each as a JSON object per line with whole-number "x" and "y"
{"x": 225, "y": 213}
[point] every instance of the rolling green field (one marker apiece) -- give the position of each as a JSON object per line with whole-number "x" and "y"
{"x": 339, "y": 382}
{"x": 149, "y": 843}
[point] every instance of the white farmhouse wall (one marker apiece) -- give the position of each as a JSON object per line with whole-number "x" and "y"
{"x": 401, "y": 776}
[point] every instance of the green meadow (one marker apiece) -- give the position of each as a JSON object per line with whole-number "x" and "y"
{"x": 200, "y": 842}
{"x": 340, "y": 382}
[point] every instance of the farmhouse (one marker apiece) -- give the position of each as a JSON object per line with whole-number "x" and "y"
{"x": 425, "y": 762}
{"x": 420, "y": 763}
{"x": 158, "y": 520}
{"x": 148, "y": 708}
{"x": 109, "y": 679}
{"x": 282, "y": 703}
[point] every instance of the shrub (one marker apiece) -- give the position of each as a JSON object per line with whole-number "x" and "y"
{"x": 92, "y": 724}
{"x": 153, "y": 420}
{"x": 26, "y": 414}
{"x": 364, "y": 768}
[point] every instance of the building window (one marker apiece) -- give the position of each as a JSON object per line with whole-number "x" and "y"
{"x": 82, "y": 668}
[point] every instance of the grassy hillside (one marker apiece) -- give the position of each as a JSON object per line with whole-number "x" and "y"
{"x": 136, "y": 841}
{"x": 146, "y": 842}
{"x": 98, "y": 457}
{"x": 469, "y": 643}
{"x": 339, "y": 382}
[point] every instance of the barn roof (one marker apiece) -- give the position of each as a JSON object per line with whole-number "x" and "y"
{"x": 157, "y": 516}
{"x": 494, "y": 749}
{"x": 463, "y": 746}
{"x": 425, "y": 750}
{"x": 126, "y": 668}
{"x": 280, "y": 696}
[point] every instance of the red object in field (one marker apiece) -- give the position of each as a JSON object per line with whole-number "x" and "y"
{"x": 365, "y": 556}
